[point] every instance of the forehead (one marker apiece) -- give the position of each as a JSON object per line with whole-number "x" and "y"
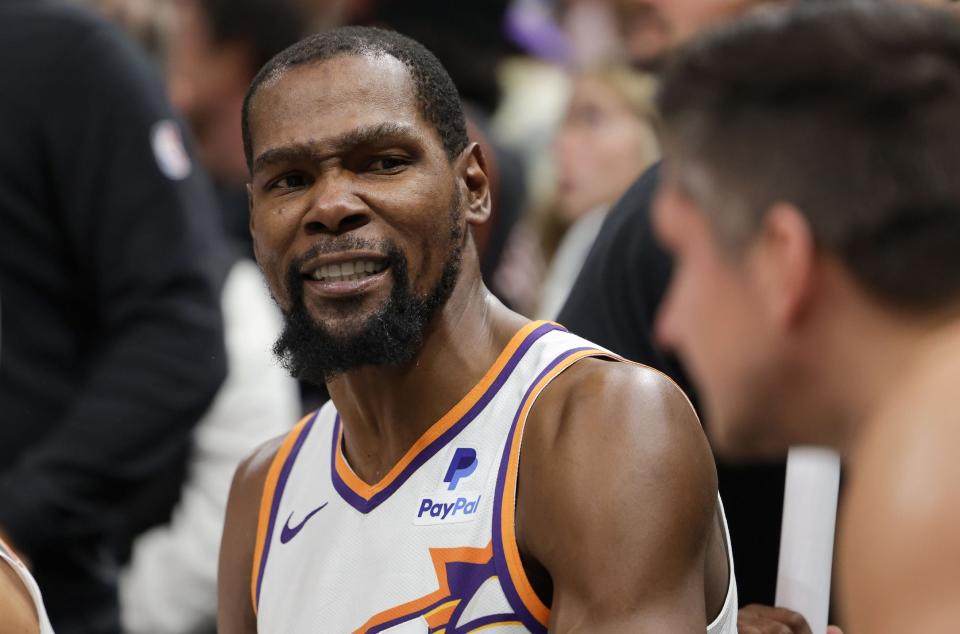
{"x": 323, "y": 99}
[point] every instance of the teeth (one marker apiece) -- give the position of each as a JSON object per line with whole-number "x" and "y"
{"x": 347, "y": 271}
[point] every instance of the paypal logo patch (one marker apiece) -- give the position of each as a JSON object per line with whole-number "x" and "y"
{"x": 453, "y": 501}
{"x": 463, "y": 464}
{"x": 443, "y": 510}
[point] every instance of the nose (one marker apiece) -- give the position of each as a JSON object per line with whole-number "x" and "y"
{"x": 336, "y": 208}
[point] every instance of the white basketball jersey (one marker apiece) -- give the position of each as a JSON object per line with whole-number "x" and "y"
{"x": 431, "y": 547}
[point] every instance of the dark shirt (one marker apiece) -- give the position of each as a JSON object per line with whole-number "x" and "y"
{"x": 614, "y": 303}
{"x": 111, "y": 342}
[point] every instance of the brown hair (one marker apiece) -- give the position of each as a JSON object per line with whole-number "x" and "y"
{"x": 847, "y": 109}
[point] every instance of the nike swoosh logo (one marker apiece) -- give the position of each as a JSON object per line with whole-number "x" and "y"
{"x": 289, "y": 532}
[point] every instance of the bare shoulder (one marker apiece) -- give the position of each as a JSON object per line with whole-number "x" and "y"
{"x": 608, "y": 447}
{"x": 16, "y": 605}
{"x": 599, "y": 404}
{"x": 900, "y": 548}
{"x": 252, "y": 470}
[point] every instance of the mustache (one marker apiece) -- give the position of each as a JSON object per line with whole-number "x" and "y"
{"x": 339, "y": 244}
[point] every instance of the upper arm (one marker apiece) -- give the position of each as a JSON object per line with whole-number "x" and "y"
{"x": 235, "y": 613}
{"x": 617, "y": 496}
{"x": 18, "y": 614}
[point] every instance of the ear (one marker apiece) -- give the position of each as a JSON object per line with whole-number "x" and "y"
{"x": 476, "y": 182}
{"x": 783, "y": 261}
{"x": 252, "y": 221}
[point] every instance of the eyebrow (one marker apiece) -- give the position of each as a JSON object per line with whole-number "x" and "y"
{"x": 387, "y": 132}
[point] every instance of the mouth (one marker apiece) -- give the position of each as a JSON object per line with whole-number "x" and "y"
{"x": 345, "y": 276}
{"x": 347, "y": 271}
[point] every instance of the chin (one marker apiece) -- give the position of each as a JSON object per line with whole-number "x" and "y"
{"x": 347, "y": 316}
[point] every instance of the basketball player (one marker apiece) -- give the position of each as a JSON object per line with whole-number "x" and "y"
{"x": 812, "y": 201}
{"x": 405, "y": 504}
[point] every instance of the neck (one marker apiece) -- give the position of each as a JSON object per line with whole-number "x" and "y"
{"x": 384, "y": 410}
{"x": 875, "y": 355}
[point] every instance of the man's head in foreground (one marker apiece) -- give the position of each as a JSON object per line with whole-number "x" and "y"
{"x": 813, "y": 205}
{"x": 362, "y": 185}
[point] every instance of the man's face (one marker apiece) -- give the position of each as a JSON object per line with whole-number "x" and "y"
{"x": 355, "y": 213}
{"x": 652, "y": 27}
{"x": 712, "y": 316}
{"x": 206, "y": 80}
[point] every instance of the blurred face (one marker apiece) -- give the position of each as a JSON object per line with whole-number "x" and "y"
{"x": 601, "y": 148}
{"x": 192, "y": 73}
{"x": 355, "y": 213}
{"x": 207, "y": 80}
{"x": 712, "y": 316}
{"x": 651, "y": 27}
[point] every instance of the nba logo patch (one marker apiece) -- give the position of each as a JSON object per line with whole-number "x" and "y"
{"x": 168, "y": 149}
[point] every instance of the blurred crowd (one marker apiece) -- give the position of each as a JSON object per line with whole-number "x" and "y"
{"x": 136, "y": 367}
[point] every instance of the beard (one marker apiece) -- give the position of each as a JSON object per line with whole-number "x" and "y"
{"x": 315, "y": 351}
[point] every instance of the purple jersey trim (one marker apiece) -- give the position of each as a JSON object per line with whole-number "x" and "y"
{"x": 364, "y": 505}
{"x": 499, "y": 558}
{"x": 277, "y": 494}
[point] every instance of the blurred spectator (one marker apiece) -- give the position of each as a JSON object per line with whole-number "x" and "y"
{"x": 147, "y": 20}
{"x": 469, "y": 41}
{"x": 171, "y": 583}
{"x": 622, "y": 282}
{"x": 605, "y": 142}
{"x": 650, "y": 28}
{"x": 110, "y": 272}
{"x": 215, "y": 49}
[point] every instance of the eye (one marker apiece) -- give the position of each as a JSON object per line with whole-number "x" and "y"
{"x": 387, "y": 164}
{"x": 289, "y": 181}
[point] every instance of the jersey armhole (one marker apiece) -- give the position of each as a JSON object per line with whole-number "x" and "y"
{"x": 727, "y": 617}
{"x": 506, "y": 554}
{"x": 270, "y": 499}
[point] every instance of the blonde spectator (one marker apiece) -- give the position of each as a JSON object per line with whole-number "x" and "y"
{"x": 606, "y": 140}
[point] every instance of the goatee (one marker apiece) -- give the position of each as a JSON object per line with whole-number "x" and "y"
{"x": 315, "y": 352}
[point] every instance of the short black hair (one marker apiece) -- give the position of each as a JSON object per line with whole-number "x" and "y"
{"x": 847, "y": 109}
{"x": 265, "y": 26}
{"x": 436, "y": 95}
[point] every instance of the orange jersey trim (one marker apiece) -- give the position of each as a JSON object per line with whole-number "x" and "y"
{"x": 266, "y": 500}
{"x": 440, "y": 558}
{"x": 511, "y": 551}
